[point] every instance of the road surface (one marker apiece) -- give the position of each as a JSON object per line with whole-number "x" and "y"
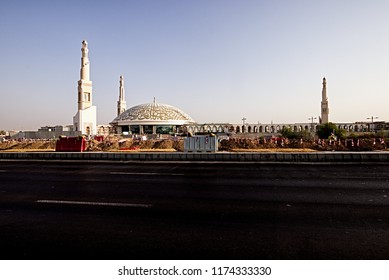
{"x": 193, "y": 210}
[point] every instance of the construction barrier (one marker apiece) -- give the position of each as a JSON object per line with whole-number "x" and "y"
{"x": 201, "y": 144}
{"x": 70, "y": 144}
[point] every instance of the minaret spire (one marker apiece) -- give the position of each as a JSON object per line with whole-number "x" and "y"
{"x": 324, "y": 103}
{"x": 84, "y": 75}
{"x": 84, "y": 84}
{"x": 122, "y": 106}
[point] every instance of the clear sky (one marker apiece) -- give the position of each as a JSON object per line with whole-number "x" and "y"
{"x": 217, "y": 60}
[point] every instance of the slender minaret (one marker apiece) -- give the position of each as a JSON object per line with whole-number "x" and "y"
{"x": 324, "y": 103}
{"x": 122, "y": 106}
{"x": 85, "y": 119}
{"x": 84, "y": 84}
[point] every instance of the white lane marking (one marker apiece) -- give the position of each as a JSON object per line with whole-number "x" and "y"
{"x": 148, "y": 174}
{"x": 95, "y": 203}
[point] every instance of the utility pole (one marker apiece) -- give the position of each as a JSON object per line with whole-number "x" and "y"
{"x": 372, "y": 122}
{"x": 244, "y": 125}
{"x": 311, "y": 119}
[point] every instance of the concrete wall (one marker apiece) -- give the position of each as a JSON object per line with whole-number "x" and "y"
{"x": 382, "y": 157}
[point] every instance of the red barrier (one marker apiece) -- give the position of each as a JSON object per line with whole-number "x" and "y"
{"x": 70, "y": 144}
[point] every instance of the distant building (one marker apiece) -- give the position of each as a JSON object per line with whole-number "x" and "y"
{"x": 46, "y": 132}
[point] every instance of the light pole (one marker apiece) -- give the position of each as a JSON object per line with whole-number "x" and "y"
{"x": 372, "y": 121}
{"x": 244, "y": 123}
{"x": 311, "y": 119}
{"x": 258, "y": 127}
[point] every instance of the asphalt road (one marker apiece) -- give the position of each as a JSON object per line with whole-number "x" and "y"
{"x": 193, "y": 210}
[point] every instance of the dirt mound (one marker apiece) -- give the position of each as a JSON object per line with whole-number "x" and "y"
{"x": 232, "y": 144}
{"x": 28, "y": 145}
{"x": 164, "y": 144}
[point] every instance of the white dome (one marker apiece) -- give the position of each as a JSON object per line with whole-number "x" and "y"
{"x": 153, "y": 113}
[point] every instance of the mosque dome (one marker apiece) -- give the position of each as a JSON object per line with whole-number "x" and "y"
{"x": 153, "y": 113}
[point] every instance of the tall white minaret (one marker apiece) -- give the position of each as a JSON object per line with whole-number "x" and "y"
{"x": 85, "y": 119}
{"x": 122, "y": 106}
{"x": 84, "y": 84}
{"x": 324, "y": 103}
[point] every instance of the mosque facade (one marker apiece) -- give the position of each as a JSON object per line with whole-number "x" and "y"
{"x": 157, "y": 118}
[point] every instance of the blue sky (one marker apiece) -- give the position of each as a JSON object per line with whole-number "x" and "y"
{"x": 218, "y": 61}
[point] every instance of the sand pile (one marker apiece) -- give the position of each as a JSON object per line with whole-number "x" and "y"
{"x": 30, "y": 145}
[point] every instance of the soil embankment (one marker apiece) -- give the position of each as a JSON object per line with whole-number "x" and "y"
{"x": 115, "y": 144}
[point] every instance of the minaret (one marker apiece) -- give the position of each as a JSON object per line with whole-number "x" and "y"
{"x": 122, "y": 106}
{"x": 324, "y": 103}
{"x": 84, "y": 84}
{"x": 84, "y": 121}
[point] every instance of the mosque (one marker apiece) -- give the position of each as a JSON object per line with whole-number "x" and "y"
{"x": 159, "y": 118}
{"x": 156, "y": 118}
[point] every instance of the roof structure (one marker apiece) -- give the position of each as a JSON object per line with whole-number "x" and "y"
{"x": 153, "y": 113}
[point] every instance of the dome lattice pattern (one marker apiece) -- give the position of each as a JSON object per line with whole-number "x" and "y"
{"x": 154, "y": 112}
